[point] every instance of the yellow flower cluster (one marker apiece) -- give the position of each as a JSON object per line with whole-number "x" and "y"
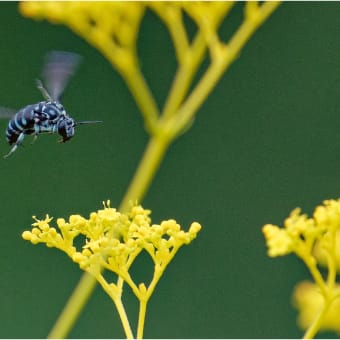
{"x": 316, "y": 241}
{"x": 309, "y": 301}
{"x": 304, "y": 235}
{"x": 110, "y": 26}
{"x": 113, "y": 26}
{"x": 113, "y": 240}
{"x": 298, "y": 234}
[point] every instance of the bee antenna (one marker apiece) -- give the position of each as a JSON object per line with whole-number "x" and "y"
{"x": 88, "y": 122}
{"x": 43, "y": 90}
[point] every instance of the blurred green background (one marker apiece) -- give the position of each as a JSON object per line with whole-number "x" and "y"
{"x": 267, "y": 140}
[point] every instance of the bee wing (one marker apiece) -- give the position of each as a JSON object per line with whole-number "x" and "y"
{"x": 7, "y": 113}
{"x": 58, "y": 68}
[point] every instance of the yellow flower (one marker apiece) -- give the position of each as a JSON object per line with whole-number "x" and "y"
{"x": 309, "y": 301}
{"x": 321, "y": 249}
{"x": 278, "y": 241}
{"x": 328, "y": 214}
{"x": 113, "y": 240}
{"x": 316, "y": 241}
{"x": 298, "y": 235}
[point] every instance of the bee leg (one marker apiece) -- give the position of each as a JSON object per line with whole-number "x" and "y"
{"x": 34, "y": 138}
{"x": 43, "y": 91}
{"x": 17, "y": 143}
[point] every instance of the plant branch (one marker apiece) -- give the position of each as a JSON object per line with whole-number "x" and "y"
{"x": 74, "y": 306}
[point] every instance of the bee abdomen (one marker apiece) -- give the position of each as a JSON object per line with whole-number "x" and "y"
{"x": 22, "y": 121}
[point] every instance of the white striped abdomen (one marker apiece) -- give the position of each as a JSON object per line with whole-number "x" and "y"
{"x": 22, "y": 121}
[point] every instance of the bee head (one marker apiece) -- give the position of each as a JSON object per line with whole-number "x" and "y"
{"x": 66, "y": 128}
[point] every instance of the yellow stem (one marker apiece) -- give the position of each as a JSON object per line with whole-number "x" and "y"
{"x": 141, "y": 318}
{"x": 189, "y": 62}
{"x": 73, "y": 307}
{"x": 227, "y": 55}
{"x": 116, "y": 297}
{"x": 143, "y": 97}
{"x": 147, "y": 168}
{"x": 177, "y": 31}
{"x": 186, "y": 113}
{"x": 312, "y": 267}
{"x": 144, "y": 298}
{"x": 157, "y": 275}
{"x": 331, "y": 261}
{"x": 315, "y": 326}
{"x": 123, "y": 317}
{"x": 184, "y": 76}
{"x": 120, "y": 280}
{"x": 327, "y": 290}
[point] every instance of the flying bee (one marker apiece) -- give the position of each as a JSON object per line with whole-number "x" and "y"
{"x": 48, "y": 116}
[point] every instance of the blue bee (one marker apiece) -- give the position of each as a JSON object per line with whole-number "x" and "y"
{"x": 48, "y": 116}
